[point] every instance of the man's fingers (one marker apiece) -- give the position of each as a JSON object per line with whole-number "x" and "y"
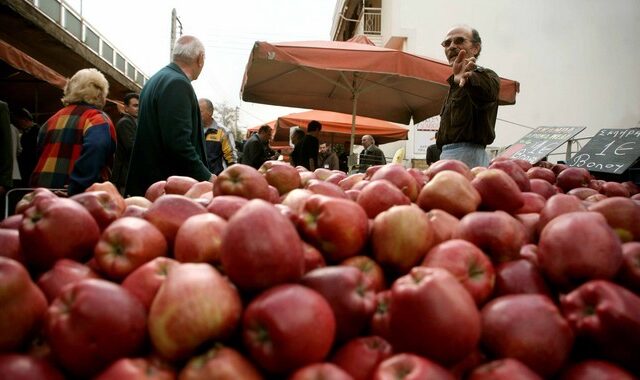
{"x": 461, "y": 55}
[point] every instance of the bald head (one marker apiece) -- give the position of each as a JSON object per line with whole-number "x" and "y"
{"x": 188, "y": 53}
{"x": 367, "y": 141}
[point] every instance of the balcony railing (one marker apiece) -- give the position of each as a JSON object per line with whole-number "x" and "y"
{"x": 372, "y": 21}
{"x": 62, "y": 14}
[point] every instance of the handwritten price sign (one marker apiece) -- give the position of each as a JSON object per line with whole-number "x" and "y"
{"x": 538, "y": 143}
{"x": 609, "y": 151}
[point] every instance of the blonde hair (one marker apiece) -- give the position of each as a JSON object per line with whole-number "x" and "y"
{"x": 88, "y": 86}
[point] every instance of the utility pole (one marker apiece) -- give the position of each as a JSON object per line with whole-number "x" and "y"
{"x": 175, "y": 22}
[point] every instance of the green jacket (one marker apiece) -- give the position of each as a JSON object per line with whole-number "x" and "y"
{"x": 169, "y": 140}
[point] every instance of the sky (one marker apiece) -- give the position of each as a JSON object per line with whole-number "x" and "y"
{"x": 140, "y": 30}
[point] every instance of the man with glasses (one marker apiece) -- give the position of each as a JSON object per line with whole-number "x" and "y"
{"x": 468, "y": 115}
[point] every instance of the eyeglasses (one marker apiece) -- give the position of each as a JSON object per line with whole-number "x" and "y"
{"x": 456, "y": 41}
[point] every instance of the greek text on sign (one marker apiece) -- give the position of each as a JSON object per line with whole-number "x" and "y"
{"x": 540, "y": 142}
{"x": 609, "y": 151}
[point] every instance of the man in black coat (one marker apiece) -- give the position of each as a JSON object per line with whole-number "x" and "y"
{"x": 126, "y": 133}
{"x": 255, "y": 148}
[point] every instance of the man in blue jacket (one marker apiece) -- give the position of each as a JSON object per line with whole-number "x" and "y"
{"x": 169, "y": 140}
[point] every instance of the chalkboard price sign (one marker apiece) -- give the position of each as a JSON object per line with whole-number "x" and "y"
{"x": 538, "y": 143}
{"x": 609, "y": 151}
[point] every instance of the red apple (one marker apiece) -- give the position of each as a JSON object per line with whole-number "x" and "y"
{"x": 281, "y": 175}
{"x": 134, "y": 211}
{"x": 504, "y": 369}
{"x": 199, "y": 189}
{"x": 380, "y": 320}
{"x": 317, "y": 186}
{"x": 177, "y": 184}
{"x": 557, "y": 205}
{"x": 449, "y": 191}
{"x": 137, "y": 369}
{"x": 10, "y": 243}
{"x": 371, "y": 170}
{"x": 371, "y": 270}
{"x": 93, "y": 323}
{"x": 504, "y": 334}
{"x": 530, "y": 222}
{"x": 571, "y": 178}
{"x": 337, "y": 227}
{"x": 145, "y": 281}
{"x": 30, "y": 198}
{"x": 428, "y": 307}
{"x": 519, "y": 277}
{"x": 467, "y": 263}
{"x": 406, "y": 366}
{"x": 221, "y": 363}
{"x": 336, "y": 176}
{"x": 453, "y": 165}
{"x": 622, "y": 214}
{"x": 380, "y": 195}
{"x": 614, "y": 189}
{"x": 168, "y": 213}
{"x": 199, "y": 239}
{"x": 241, "y": 180}
{"x": 443, "y": 224}
{"x": 498, "y": 191}
{"x": 322, "y": 173}
{"x": 419, "y": 176}
{"x": 22, "y": 305}
{"x": 595, "y": 370}
{"x": 348, "y": 182}
{"x": 113, "y": 191}
{"x": 100, "y": 205}
{"x": 261, "y": 248}
{"x": 55, "y": 228}
{"x": 287, "y": 327}
{"x": 542, "y": 187}
{"x": 515, "y": 171}
{"x": 579, "y": 246}
{"x": 360, "y": 356}
{"x": 226, "y": 205}
{"x": 195, "y": 304}
{"x": 349, "y": 294}
{"x": 542, "y": 173}
{"x": 582, "y": 192}
{"x": 63, "y": 273}
{"x": 137, "y": 201}
{"x": 313, "y": 258}
{"x": 320, "y": 371}
{"x": 629, "y": 273}
{"x": 156, "y": 190}
{"x": 12, "y": 222}
{"x": 632, "y": 187}
{"x": 533, "y": 202}
{"x": 27, "y": 367}
{"x": 399, "y": 177}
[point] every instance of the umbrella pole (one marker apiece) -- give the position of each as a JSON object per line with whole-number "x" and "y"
{"x": 353, "y": 121}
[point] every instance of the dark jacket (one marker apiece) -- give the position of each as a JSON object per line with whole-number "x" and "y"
{"x": 126, "y": 133}
{"x": 309, "y": 149}
{"x": 6, "y": 151}
{"x": 254, "y": 152}
{"x": 370, "y": 157}
{"x": 169, "y": 140}
{"x": 469, "y": 113}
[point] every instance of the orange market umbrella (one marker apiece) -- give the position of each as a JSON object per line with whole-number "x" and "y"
{"x": 351, "y": 77}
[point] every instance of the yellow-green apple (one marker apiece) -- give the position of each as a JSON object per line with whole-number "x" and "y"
{"x": 241, "y": 180}
{"x": 337, "y": 227}
{"x": 288, "y": 326}
{"x": 63, "y": 273}
{"x": 401, "y": 237}
{"x": 226, "y": 205}
{"x": 137, "y": 201}
{"x": 504, "y": 334}
{"x": 467, "y": 263}
{"x": 450, "y": 191}
{"x": 399, "y": 177}
{"x": 93, "y": 323}
{"x": 155, "y": 191}
{"x": 56, "y": 228}
{"x": 360, "y": 356}
{"x": 533, "y": 203}
{"x": 199, "y": 239}
{"x": 281, "y": 175}
{"x": 579, "y": 246}
{"x": 542, "y": 173}
{"x": 348, "y": 182}
{"x": 168, "y": 213}
{"x": 380, "y": 195}
{"x": 443, "y": 224}
{"x": 606, "y": 319}
{"x": 199, "y": 190}
{"x": 22, "y": 304}
{"x": 194, "y": 305}
{"x": 408, "y": 366}
{"x": 100, "y": 205}
{"x": 349, "y": 294}
{"x": 28, "y": 199}
{"x": 380, "y": 319}
{"x": 313, "y": 258}
{"x": 317, "y": 186}
{"x": 137, "y": 369}
{"x": 12, "y": 222}
{"x": 573, "y": 177}
{"x": 498, "y": 234}
{"x": 519, "y": 277}
{"x": 514, "y": 171}
{"x": 261, "y": 247}
{"x": 557, "y": 205}
{"x": 593, "y": 369}
{"x": 10, "y": 243}
{"x": 503, "y": 369}
{"x": 453, "y": 165}
{"x": 320, "y": 371}
{"x": 622, "y": 214}
{"x": 371, "y": 270}
{"x": 542, "y": 187}
{"x": 498, "y": 191}
{"x": 127, "y": 244}
{"x": 145, "y": 281}
{"x": 27, "y": 367}
{"x": 177, "y": 184}
{"x": 427, "y": 309}
{"x": 629, "y": 273}
{"x": 222, "y": 363}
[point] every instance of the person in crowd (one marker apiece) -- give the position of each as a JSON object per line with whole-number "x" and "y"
{"x": 126, "y": 132}
{"x": 169, "y": 139}
{"x": 255, "y": 153}
{"x": 76, "y": 145}
{"x": 16, "y": 150}
{"x": 468, "y": 115}
{"x": 328, "y": 159}
{"x": 6, "y": 155}
{"x": 28, "y": 156}
{"x": 371, "y": 155}
{"x": 433, "y": 154}
{"x": 296, "y": 138}
{"x": 219, "y": 147}
{"x": 344, "y": 156}
{"x": 310, "y": 146}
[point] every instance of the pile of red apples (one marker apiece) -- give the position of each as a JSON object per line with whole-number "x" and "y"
{"x": 510, "y": 271}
